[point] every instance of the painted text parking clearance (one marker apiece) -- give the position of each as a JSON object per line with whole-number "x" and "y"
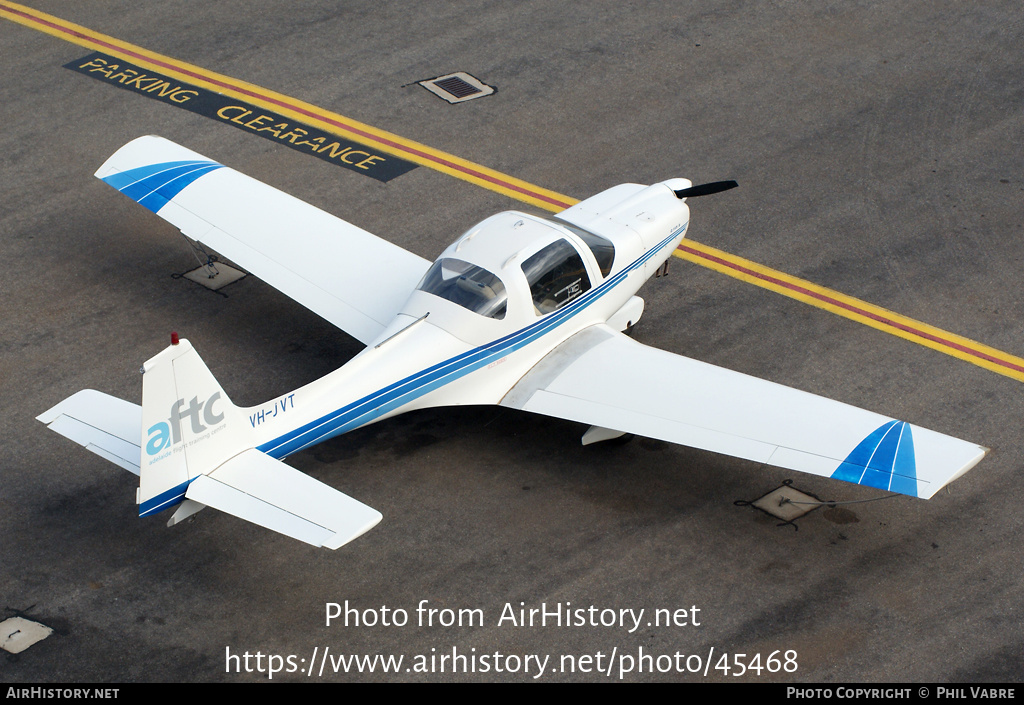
{"x": 240, "y": 115}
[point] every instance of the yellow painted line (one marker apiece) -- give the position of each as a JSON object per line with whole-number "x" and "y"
{"x": 854, "y": 309}
{"x": 291, "y": 107}
{"x": 737, "y": 267}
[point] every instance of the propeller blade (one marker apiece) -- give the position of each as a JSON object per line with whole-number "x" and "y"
{"x": 706, "y": 189}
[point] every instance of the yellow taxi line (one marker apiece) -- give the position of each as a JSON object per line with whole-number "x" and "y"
{"x": 854, "y": 309}
{"x": 732, "y": 265}
{"x": 296, "y": 109}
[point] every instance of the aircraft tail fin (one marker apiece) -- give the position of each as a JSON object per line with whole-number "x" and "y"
{"x": 190, "y": 427}
{"x": 192, "y": 448}
{"x": 198, "y": 451}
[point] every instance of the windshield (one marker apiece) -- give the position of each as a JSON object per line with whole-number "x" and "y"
{"x": 467, "y": 285}
{"x": 603, "y": 249}
{"x": 556, "y": 276}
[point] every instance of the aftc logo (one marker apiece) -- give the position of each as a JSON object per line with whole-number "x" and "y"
{"x": 164, "y": 434}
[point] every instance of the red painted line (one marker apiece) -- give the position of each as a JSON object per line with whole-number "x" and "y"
{"x": 295, "y": 108}
{"x": 853, "y": 309}
{"x": 469, "y": 171}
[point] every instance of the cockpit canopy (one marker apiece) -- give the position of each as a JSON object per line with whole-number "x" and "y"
{"x": 467, "y": 285}
{"x": 513, "y": 252}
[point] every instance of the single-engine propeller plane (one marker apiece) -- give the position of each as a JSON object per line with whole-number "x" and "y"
{"x": 522, "y": 311}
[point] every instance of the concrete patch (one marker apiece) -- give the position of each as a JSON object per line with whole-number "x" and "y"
{"x": 18, "y": 633}
{"x": 214, "y": 277}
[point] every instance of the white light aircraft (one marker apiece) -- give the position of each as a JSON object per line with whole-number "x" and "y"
{"x": 522, "y": 311}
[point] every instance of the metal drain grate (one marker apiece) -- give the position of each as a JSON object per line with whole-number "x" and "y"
{"x": 457, "y": 87}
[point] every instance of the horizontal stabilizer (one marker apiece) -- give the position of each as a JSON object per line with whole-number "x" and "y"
{"x": 265, "y": 491}
{"x": 109, "y": 427}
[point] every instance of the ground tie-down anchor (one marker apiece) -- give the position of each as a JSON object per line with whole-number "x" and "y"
{"x": 211, "y": 273}
{"x": 785, "y": 503}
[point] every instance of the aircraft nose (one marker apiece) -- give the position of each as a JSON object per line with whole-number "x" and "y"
{"x": 678, "y": 184}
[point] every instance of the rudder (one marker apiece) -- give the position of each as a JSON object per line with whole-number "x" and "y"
{"x": 190, "y": 427}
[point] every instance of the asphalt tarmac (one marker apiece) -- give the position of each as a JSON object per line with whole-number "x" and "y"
{"x": 879, "y": 150}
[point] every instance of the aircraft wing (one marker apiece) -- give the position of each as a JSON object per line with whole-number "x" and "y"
{"x": 352, "y": 278}
{"x": 604, "y": 378}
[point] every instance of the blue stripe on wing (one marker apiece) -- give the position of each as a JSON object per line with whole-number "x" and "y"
{"x": 154, "y": 185}
{"x": 885, "y": 459}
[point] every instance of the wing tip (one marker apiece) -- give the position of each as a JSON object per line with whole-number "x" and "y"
{"x": 967, "y": 466}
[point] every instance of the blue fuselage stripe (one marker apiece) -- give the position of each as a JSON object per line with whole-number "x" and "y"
{"x": 386, "y": 399}
{"x": 164, "y": 499}
{"x": 375, "y": 405}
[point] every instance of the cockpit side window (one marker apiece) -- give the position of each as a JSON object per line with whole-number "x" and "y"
{"x": 556, "y": 276}
{"x": 603, "y": 249}
{"x": 467, "y": 285}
